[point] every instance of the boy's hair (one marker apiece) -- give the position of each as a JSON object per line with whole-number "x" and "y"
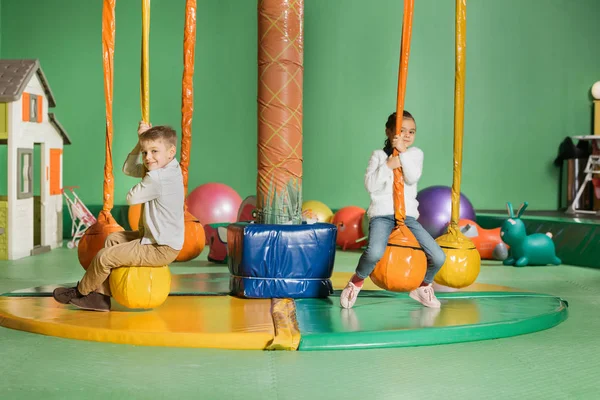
{"x": 160, "y": 132}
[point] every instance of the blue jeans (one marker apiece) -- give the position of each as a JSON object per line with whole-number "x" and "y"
{"x": 380, "y": 228}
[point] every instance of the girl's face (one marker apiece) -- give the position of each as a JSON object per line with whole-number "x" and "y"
{"x": 408, "y": 131}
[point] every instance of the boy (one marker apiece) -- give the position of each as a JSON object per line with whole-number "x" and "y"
{"x": 162, "y": 229}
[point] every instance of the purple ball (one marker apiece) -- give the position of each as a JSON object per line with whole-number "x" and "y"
{"x": 435, "y": 208}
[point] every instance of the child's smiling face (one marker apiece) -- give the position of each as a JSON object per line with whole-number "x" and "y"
{"x": 156, "y": 154}
{"x": 408, "y": 132}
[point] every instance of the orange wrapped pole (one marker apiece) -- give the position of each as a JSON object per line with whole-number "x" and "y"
{"x": 404, "y": 264}
{"x": 463, "y": 261}
{"x": 108, "y": 51}
{"x": 187, "y": 88}
{"x": 93, "y": 239}
{"x": 280, "y": 77}
{"x": 399, "y": 206}
{"x": 195, "y": 237}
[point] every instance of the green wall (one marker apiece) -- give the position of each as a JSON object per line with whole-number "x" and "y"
{"x": 530, "y": 65}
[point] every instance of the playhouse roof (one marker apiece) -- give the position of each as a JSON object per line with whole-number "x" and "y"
{"x": 59, "y": 128}
{"x": 14, "y": 76}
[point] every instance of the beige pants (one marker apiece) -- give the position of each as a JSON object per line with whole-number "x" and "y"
{"x": 123, "y": 249}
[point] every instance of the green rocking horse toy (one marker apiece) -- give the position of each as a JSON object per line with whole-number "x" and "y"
{"x": 534, "y": 249}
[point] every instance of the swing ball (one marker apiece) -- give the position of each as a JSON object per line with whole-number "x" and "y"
{"x": 463, "y": 261}
{"x": 140, "y": 287}
{"x": 133, "y": 216}
{"x": 94, "y": 237}
{"x": 194, "y": 239}
{"x": 403, "y": 265}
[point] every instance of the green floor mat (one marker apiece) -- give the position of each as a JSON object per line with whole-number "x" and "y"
{"x": 392, "y": 320}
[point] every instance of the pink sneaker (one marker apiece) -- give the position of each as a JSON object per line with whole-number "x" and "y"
{"x": 349, "y": 295}
{"x": 426, "y": 296}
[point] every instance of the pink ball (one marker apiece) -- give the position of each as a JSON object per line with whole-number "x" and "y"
{"x": 213, "y": 203}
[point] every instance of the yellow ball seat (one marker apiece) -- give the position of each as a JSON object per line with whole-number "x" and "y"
{"x": 463, "y": 261}
{"x": 140, "y": 287}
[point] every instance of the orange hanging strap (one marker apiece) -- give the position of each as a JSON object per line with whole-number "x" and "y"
{"x": 108, "y": 50}
{"x": 145, "y": 73}
{"x": 459, "y": 106}
{"x": 399, "y": 206}
{"x": 187, "y": 88}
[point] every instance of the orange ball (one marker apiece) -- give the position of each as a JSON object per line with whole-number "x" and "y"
{"x": 133, "y": 216}
{"x": 94, "y": 237}
{"x": 403, "y": 265}
{"x": 195, "y": 239}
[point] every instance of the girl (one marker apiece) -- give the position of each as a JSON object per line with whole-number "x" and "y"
{"x": 379, "y": 181}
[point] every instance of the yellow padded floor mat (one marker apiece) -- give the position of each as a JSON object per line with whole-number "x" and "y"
{"x": 183, "y": 321}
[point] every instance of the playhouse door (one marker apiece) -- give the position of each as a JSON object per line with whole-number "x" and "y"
{"x": 40, "y": 198}
{"x": 3, "y": 228}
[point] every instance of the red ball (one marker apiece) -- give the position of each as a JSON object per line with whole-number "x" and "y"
{"x": 216, "y": 236}
{"x": 349, "y": 224}
{"x": 247, "y": 209}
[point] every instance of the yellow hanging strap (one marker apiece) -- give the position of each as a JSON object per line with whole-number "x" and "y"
{"x": 145, "y": 83}
{"x": 459, "y": 106}
{"x": 145, "y": 73}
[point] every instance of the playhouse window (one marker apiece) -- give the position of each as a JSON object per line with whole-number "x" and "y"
{"x": 33, "y": 108}
{"x": 25, "y": 173}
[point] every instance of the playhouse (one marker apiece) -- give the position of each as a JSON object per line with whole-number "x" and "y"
{"x": 31, "y": 210}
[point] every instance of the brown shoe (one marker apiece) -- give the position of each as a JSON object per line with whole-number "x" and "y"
{"x": 64, "y": 295}
{"x": 93, "y": 302}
